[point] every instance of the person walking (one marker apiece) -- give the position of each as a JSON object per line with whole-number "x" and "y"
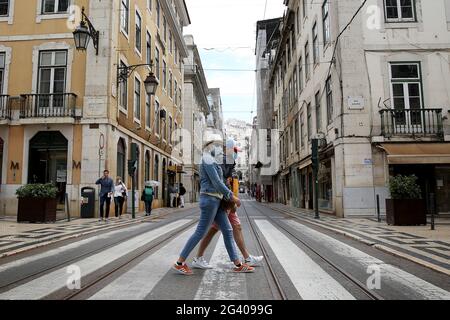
{"x": 228, "y": 167}
{"x": 172, "y": 194}
{"x": 212, "y": 191}
{"x": 182, "y": 193}
{"x": 147, "y": 197}
{"x": 120, "y": 196}
{"x": 106, "y": 193}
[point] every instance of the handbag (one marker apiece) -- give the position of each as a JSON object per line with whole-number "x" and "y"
{"x": 227, "y": 205}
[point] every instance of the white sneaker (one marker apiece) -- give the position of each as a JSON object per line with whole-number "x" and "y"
{"x": 254, "y": 261}
{"x": 201, "y": 263}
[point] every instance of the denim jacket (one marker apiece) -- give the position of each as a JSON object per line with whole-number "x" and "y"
{"x": 211, "y": 177}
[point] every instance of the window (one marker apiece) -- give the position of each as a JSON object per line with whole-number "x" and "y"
{"x": 326, "y": 22}
{"x": 147, "y": 166}
{"x": 157, "y": 64}
{"x": 123, "y": 89}
{"x": 121, "y": 157}
{"x": 400, "y": 10}
{"x": 158, "y": 14}
{"x": 149, "y": 48}
{"x": 406, "y": 91}
{"x": 176, "y": 53}
{"x": 309, "y": 121}
{"x": 181, "y": 101}
{"x": 52, "y": 78}
{"x": 170, "y": 85}
{"x": 318, "y": 113}
{"x": 291, "y": 140}
{"x": 164, "y": 75}
{"x": 302, "y": 130}
{"x": 329, "y": 92}
{"x": 176, "y": 92}
{"x": 137, "y": 99}
{"x": 307, "y": 60}
{"x": 170, "y": 130}
{"x": 4, "y": 7}
{"x": 298, "y": 20}
{"x": 304, "y": 8}
{"x": 55, "y": 6}
{"x": 315, "y": 44}
{"x": 297, "y": 137}
{"x": 148, "y": 115}
{"x": 2, "y": 71}
{"x": 164, "y": 128}
{"x": 149, "y": 5}
{"x": 300, "y": 74}
{"x": 138, "y": 33}
{"x": 125, "y": 15}
{"x": 165, "y": 29}
{"x": 170, "y": 42}
{"x": 295, "y": 85}
{"x": 157, "y": 119}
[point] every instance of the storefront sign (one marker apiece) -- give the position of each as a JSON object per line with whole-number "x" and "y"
{"x": 61, "y": 175}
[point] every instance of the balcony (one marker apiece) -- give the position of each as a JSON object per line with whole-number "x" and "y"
{"x": 55, "y": 105}
{"x": 412, "y": 123}
{"x": 5, "y": 110}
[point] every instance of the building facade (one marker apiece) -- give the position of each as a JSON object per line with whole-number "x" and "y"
{"x": 66, "y": 116}
{"x": 195, "y": 111}
{"x": 241, "y": 132}
{"x": 376, "y": 97}
{"x": 215, "y": 118}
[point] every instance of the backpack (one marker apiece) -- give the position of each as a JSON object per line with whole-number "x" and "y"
{"x": 147, "y": 195}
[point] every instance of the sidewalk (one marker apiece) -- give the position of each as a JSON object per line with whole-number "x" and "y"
{"x": 418, "y": 243}
{"x": 19, "y": 237}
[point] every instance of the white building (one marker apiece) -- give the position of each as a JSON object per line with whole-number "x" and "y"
{"x": 215, "y": 120}
{"x": 241, "y": 132}
{"x": 378, "y": 97}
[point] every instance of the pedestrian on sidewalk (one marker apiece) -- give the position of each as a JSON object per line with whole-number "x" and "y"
{"x": 172, "y": 194}
{"x": 106, "y": 193}
{"x": 228, "y": 168}
{"x": 182, "y": 193}
{"x": 212, "y": 191}
{"x": 147, "y": 197}
{"x": 120, "y": 197}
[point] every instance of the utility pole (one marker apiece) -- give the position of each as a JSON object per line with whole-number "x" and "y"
{"x": 315, "y": 164}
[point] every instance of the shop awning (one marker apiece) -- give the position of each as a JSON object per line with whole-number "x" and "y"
{"x": 417, "y": 153}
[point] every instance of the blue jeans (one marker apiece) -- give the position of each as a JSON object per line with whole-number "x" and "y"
{"x": 211, "y": 212}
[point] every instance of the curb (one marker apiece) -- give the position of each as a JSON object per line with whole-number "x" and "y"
{"x": 372, "y": 244}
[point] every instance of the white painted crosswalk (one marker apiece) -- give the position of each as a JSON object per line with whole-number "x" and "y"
{"x": 143, "y": 279}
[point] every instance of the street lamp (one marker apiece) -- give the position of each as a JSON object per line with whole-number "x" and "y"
{"x": 151, "y": 82}
{"x": 83, "y": 34}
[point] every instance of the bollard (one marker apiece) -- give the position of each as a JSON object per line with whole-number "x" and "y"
{"x": 378, "y": 208}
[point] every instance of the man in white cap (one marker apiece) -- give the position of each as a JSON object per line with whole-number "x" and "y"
{"x": 229, "y": 173}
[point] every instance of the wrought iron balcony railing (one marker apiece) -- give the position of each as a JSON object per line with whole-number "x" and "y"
{"x": 5, "y": 110}
{"x": 411, "y": 122}
{"x": 54, "y": 105}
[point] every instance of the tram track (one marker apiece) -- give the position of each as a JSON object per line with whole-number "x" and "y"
{"x": 370, "y": 294}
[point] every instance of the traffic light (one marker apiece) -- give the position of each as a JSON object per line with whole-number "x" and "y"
{"x": 132, "y": 167}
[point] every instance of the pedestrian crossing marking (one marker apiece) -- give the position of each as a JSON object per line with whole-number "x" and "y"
{"x": 139, "y": 281}
{"x": 389, "y": 273}
{"x": 221, "y": 283}
{"x": 310, "y": 280}
{"x": 56, "y": 280}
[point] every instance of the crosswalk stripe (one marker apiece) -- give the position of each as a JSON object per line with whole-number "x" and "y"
{"x": 221, "y": 283}
{"x": 71, "y": 246}
{"x": 139, "y": 281}
{"x": 53, "y": 281}
{"x": 310, "y": 280}
{"x": 389, "y": 273}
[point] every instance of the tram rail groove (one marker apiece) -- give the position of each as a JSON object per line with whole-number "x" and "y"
{"x": 54, "y": 267}
{"x": 369, "y": 293}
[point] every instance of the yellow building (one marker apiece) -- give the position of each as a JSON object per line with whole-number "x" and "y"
{"x": 65, "y": 117}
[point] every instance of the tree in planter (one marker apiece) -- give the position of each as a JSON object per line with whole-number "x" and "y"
{"x": 404, "y": 187}
{"x": 37, "y": 203}
{"x": 406, "y": 206}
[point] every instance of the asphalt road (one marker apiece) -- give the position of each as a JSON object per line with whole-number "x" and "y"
{"x": 302, "y": 261}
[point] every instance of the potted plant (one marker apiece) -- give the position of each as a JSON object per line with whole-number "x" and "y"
{"x": 406, "y": 208}
{"x": 37, "y": 203}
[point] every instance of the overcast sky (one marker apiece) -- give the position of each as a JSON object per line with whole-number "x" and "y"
{"x": 225, "y": 32}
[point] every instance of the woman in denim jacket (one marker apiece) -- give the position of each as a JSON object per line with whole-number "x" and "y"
{"x": 212, "y": 191}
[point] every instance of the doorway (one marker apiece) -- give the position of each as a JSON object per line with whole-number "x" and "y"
{"x": 48, "y": 162}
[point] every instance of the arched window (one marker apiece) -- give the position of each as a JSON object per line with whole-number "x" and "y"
{"x": 147, "y": 166}
{"x": 121, "y": 158}
{"x": 156, "y": 174}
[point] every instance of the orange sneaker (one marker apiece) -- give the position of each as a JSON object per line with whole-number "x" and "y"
{"x": 244, "y": 268}
{"x": 183, "y": 269}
